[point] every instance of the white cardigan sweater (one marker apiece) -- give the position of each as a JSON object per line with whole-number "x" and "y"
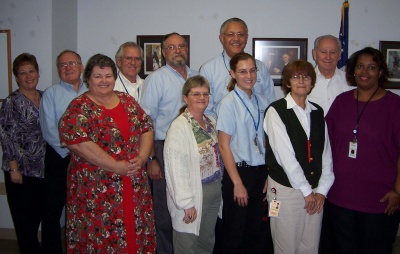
{"x": 182, "y": 174}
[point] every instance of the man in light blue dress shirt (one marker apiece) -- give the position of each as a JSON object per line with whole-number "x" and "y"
{"x": 54, "y": 102}
{"x": 233, "y": 37}
{"x": 162, "y": 99}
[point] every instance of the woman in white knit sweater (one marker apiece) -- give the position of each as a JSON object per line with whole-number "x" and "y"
{"x": 193, "y": 172}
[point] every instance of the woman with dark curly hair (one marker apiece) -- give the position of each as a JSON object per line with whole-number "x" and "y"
{"x": 109, "y": 205}
{"x": 364, "y": 129}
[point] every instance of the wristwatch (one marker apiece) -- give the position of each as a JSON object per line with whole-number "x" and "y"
{"x": 151, "y": 158}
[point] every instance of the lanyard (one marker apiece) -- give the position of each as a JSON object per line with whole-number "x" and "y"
{"x": 355, "y": 130}
{"x": 223, "y": 59}
{"x": 248, "y": 110}
{"x": 119, "y": 76}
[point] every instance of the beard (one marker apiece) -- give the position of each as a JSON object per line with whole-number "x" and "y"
{"x": 178, "y": 60}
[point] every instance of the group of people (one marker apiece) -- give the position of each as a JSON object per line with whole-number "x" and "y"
{"x": 184, "y": 161}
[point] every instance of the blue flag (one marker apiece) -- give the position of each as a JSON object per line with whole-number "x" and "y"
{"x": 344, "y": 34}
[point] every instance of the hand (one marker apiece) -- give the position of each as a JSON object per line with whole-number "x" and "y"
{"x": 154, "y": 170}
{"x": 320, "y": 201}
{"x": 138, "y": 162}
{"x": 125, "y": 168}
{"x": 265, "y": 190}
{"x": 393, "y": 204}
{"x": 190, "y": 215}
{"x": 240, "y": 194}
{"x": 16, "y": 177}
{"x": 310, "y": 203}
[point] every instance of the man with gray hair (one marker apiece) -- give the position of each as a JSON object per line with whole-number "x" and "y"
{"x": 162, "y": 99}
{"x": 129, "y": 58}
{"x": 233, "y": 36}
{"x": 330, "y": 80}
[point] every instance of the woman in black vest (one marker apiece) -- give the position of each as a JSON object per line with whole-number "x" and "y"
{"x": 299, "y": 161}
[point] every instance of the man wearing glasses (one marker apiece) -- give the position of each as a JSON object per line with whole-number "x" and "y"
{"x": 162, "y": 99}
{"x": 129, "y": 59}
{"x": 233, "y": 37}
{"x": 54, "y": 102}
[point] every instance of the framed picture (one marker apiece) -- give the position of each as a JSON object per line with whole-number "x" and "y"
{"x": 276, "y": 53}
{"x": 153, "y": 59}
{"x": 5, "y": 64}
{"x": 391, "y": 51}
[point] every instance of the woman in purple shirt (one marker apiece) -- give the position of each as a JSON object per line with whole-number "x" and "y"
{"x": 23, "y": 153}
{"x": 364, "y": 130}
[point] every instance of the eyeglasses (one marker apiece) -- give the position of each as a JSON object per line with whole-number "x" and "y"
{"x": 131, "y": 58}
{"x": 199, "y": 95}
{"x": 297, "y": 77}
{"x": 245, "y": 72}
{"x": 66, "y": 64}
{"x": 238, "y": 34}
{"x": 174, "y": 47}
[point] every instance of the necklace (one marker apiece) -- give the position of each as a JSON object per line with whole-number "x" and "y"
{"x": 355, "y": 130}
{"x": 36, "y": 97}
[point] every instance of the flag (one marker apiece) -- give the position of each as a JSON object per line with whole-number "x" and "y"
{"x": 344, "y": 34}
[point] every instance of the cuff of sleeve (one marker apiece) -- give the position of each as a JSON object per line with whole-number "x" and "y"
{"x": 306, "y": 190}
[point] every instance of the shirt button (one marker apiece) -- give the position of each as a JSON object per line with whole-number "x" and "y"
{"x": 312, "y": 172}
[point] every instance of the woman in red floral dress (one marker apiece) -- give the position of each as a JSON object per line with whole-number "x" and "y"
{"x": 109, "y": 207}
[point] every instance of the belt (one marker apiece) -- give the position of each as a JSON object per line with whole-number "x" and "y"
{"x": 243, "y": 164}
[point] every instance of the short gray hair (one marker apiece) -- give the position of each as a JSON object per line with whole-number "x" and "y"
{"x": 125, "y": 45}
{"x": 223, "y": 26}
{"x": 328, "y": 36}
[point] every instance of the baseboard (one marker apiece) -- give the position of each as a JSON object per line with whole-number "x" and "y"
{"x": 9, "y": 234}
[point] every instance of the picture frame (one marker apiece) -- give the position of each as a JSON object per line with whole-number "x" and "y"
{"x": 274, "y": 52}
{"x": 152, "y": 50}
{"x": 391, "y": 52}
{"x": 5, "y": 64}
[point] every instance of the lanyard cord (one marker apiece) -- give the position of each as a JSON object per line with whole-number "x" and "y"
{"x": 355, "y": 131}
{"x": 119, "y": 76}
{"x": 223, "y": 59}
{"x": 248, "y": 110}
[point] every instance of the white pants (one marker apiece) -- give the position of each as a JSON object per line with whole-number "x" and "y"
{"x": 295, "y": 231}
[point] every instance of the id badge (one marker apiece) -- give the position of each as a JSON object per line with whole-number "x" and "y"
{"x": 274, "y": 207}
{"x": 255, "y": 145}
{"x": 353, "y": 149}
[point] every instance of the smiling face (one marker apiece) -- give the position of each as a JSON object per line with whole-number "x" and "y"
{"x": 200, "y": 103}
{"x": 245, "y": 75}
{"x": 327, "y": 55}
{"x": 69, "y": 73}
{"x": 130, "y": 63}
{"x": 27, "y": 77}
{"x": 101, "y": 82}
{"x": 234, "y": 38}
{"x": 366, "y": 72}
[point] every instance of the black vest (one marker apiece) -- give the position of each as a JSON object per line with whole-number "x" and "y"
{"x": 298, "y": 138}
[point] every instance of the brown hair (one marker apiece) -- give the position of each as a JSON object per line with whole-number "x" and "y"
{"x": 233, "y": 64}
{"x": 101, "y": 61}
{"x": 298, "y": 67}
{"x": 193, "y": 82}
{"x": 22, "y": 59}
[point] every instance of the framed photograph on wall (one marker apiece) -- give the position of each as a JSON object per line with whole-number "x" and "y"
{"x": 153, "y": 59}
{"x": 276, "y": 53}
{"x": 391, "y": 51}
{"x": 5, "y": 64}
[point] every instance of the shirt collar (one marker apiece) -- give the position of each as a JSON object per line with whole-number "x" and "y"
{"x": 70, "y": 86}
{"x": 127, "y": 80}
{"x": 291, "y": 104}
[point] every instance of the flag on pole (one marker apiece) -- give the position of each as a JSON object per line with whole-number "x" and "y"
{"x": 344, "y": 34}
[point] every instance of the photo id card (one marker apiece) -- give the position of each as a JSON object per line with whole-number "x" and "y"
{"x": 274, "y": 207}
{"x": 353, "y": 149}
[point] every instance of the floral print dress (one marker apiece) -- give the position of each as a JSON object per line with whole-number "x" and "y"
{"x": 97, "y": 200}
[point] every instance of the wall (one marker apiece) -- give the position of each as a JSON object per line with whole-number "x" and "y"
{"x": 45, "y": 27}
